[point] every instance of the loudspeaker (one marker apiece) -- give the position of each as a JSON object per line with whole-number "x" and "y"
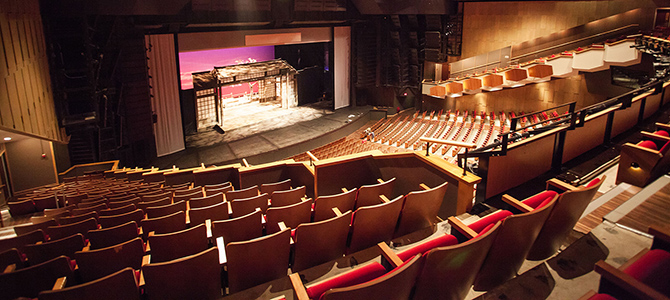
{"x": 218, "y": 129}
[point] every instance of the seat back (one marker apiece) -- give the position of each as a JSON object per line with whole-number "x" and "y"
{"x": 276, "y": 186}
{"x": 323, "y": 205}
{"x": 369, "y": 194}
{"x": 169, "y": 246}
{"x": 320, "y": 242}
{"x": 245, "y": 206}
{"x": 193, "y": 277}
{"x": 257, "y": 261}
{"x": 238, "y": 229}
{"x": 20, "y": 240}
{"x": 185, "y": 197}
{"x": 205, "y": 201}
{"x": 450, "y": 271}
{"x": 24, "y": 229}
{"x": 118, "y": 210}
{"x": 396, "y": 284}
{"x": 187, "y": 191}
{"x": 40, "y": 276}
{"x": 59, "y": 232}
{"x": 567, "y": 211}
{"x": 101, "y": 262}
{"x": 10, "y": 257}
{"x": 19, "y": 208}
{"x": 164, "y": 210}
{"x": 116, "y": 220}
{"x": 117, "y": 204}
{"x": 105, "y": 237}
{"x": 38, "y": 253}
{"x": 242, "y": 193}
{"x": 287, "y": 197}
{"x": 118, "y": 197}
{"x": 510, "y": 247}
{"x": 166, "y": 224}
{"x": 160, "y": 202}
{"x": 420, "y": 209}
{"x": 74, "y": 219}
{"x": 374, "y": 224}
{"x": 215, "y": 212}
{"x": 92, "y": 203}
{"x": 85, "y": 210}
{"x": 292, "y": 215}
{"x": 155, "y": 196}
{"x": 42, "y": 203}
{"x": 212, "y": 190}
{"x": 119, "y": 285}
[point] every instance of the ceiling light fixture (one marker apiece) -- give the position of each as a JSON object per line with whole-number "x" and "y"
{"x": 8, "y": 139}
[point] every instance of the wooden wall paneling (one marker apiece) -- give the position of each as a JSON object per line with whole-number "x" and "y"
{"x": 625, "y": 119}
{"x": 652, "y": 105}
{"x": 30, "y": 36}
{"x": 16, "y": 41}
{"x": 6, "y": 118}
{"x": 15, "y": 106}
{"x": 7, "y": 43}
{"x": 522, "y": 163}
{"x": 585, "y": 138}
{"x": 23, "y": 100}
{"x": 35, "y": 116}
{"x": 23, "y": 37}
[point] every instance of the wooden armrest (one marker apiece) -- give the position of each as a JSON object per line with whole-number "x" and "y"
{"x": 87, "y": 247}
{"x": 627, "y": 282}
{"x": 560, "y": 185}
{"x": 312, "y": 156}
{"x": 60, "y": 283}
{"x": 245, "y": 163}
{"x": 141, "y": 283}
{"x": 147, "y": 248}
{"x": 655, "y": 136}
{"x": 384, "y": 199}
{"x": 221, "y": 247}
{"x": 424, "y": 186}
{"x": 660, "y": 232}
{"x": 389, "y": 255}
{"x": 337, "y": 211}
{"x": 663, "y": 126}
{"x": 208, "y": 225}
{"x": 151, "y": 233}
{"x": 344, "y": 190}
{"x": 146, "y": 259}
{"x": 202, "y": 166}
{"x": 461, "y": 227}
{"x": 516, "y": 203}
{"x": 298, "y": 287}
{"x": 282, "y": 226}
{"x": 140, "y": 231}
{"x": 10, "y": 268}
{"x": 379, "y": 180}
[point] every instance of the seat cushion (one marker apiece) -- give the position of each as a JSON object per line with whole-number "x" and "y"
{"x": 540, "y": 200}
{"x": 602, "y": 297}
{"x": 593, "y": 182}
{"x": 493, "y": 218}
{"x": 423, "y": 247}
{"x": 355, "y": 276}
{"x": 648, "y": 144}
{"x": 651, "y": 269}
{"x": 662, "y": 133}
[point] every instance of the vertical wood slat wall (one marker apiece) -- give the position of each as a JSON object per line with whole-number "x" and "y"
{"x": 26, "y": 98}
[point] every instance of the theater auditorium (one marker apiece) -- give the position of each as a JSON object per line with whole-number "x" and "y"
{"x": 186, "y": 149}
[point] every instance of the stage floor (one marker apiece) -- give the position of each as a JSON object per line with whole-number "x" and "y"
{"x": 252, "y": 118}
{"x": 268, "y": 135}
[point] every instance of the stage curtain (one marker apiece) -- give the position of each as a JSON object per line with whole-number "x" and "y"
{"x": 342, "y": 57}
{"x": 162, "y": 64}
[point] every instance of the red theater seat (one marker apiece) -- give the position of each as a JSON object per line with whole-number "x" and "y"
{"x": 421, "y": 248}
{"x": 355, "y": 276}
{"x": 651, "y": 269}
{"x": 648, "y": 144}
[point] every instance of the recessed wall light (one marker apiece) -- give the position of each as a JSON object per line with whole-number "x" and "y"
{"x": 8, "y": 139}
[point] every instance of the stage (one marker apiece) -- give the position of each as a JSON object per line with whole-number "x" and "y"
{"x": 268, "y": 134}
